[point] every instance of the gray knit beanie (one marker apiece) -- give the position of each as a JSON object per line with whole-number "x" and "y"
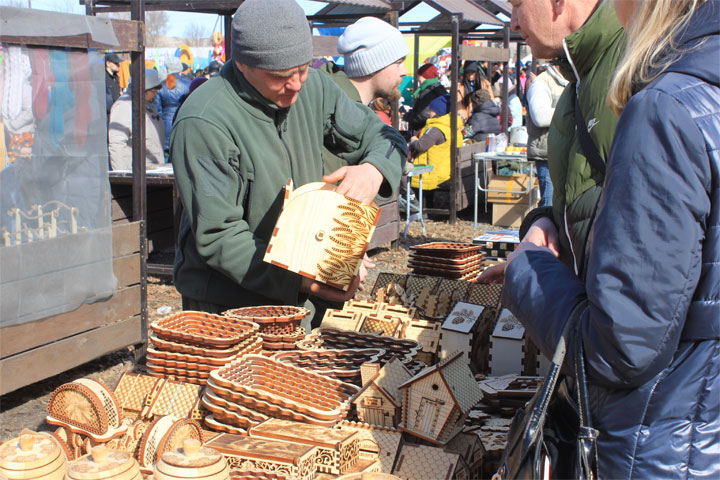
{"x": 271, "y": 34}
{"x": 370, "y": 45}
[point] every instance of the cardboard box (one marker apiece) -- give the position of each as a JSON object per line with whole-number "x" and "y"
{"x": 511, "y": 185}
{"x": 509, "y": 215}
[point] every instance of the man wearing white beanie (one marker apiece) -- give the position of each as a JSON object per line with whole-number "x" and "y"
{"x": 374, "y": 53}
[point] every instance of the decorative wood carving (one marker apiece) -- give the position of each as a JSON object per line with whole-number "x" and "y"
{"x": 32, "y": 455}
{"x": 328, "y": 245}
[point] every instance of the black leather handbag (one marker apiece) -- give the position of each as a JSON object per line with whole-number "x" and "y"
{"x": 551, "y": 437}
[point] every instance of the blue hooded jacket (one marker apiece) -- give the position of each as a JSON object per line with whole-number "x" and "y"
{"x": 649, "y": 309}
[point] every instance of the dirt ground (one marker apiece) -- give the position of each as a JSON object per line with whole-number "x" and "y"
{"x": 26, "y": 408}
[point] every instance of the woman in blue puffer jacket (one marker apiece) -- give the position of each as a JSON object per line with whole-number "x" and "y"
{"x": 648, "y": 312}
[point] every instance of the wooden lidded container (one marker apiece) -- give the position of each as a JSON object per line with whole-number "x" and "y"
{"x": 192, "y": 461}
{"x": 102, "y": 464}
{"x": 30, "y": 456}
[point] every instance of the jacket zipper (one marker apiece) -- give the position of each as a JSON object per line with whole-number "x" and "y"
{"x": 577, "y": 99}
{"x": 281, "y": 128}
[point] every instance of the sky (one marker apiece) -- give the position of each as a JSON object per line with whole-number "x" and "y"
{"x": 180, "y": 21}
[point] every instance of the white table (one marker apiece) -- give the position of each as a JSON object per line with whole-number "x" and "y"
{"x": 487, "y": 158}
{"x": 409, "y": 217}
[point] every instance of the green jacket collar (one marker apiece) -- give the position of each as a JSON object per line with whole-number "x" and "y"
{"x": 597, "y": 30}
{"x": 427, "y": 83}
{"x": 247, "y": 92}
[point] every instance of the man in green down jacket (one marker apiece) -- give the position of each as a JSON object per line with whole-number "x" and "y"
{"x": 586, "y": 41}
{"x": 238, "y": 139}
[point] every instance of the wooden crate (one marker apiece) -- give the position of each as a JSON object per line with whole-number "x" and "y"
{"x": 40, "y": 349}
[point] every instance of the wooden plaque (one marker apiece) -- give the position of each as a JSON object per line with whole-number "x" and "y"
{"x": 321, "y": 234}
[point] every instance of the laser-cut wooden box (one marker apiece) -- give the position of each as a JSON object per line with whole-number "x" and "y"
{"x": 326, "y": 245}
{"x": 337, "y": 451}
{"x": 291, "y": 459}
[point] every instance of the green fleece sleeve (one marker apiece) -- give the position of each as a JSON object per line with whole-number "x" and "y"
{"x": 356, "y": 134}
{"x": 209, "y": 176}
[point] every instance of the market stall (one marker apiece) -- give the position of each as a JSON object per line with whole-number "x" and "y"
{"x": 73, "y": 285}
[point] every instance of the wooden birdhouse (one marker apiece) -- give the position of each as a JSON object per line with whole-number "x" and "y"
{"x": 507, "y": 345}
{"x": 379, "y": 402}
{"x": 467, "y": 328}
{"x": 328, "y": 245}
{"x": 437, "y": 400}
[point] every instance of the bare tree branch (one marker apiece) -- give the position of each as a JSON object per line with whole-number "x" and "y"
{"x": 196, "y": 35}
{"x": 156, "y": 26}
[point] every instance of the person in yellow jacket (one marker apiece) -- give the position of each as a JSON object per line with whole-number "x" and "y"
{"x": 432, "y": 147}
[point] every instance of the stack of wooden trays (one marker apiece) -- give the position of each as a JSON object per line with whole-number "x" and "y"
{"x": 341, "y": 364}
{"x": 258, "y": 386}
{"x": 32, "y": 455}
{"x": 461, "y": 261}
{"x": 330, "y": 338}
{"x": 188, "y": 345}
{"x": 279, "y": 325}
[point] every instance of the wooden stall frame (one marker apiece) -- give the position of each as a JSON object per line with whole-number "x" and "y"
{"x": 37, "y": 350}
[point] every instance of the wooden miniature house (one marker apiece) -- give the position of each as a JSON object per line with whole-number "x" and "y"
{"x": 379, "y": 401}
{"x": 471, "y": 449}
{"x": 421, "y": 462}
{"x": 437, "y": 400}
{"x": 467, "y": 328}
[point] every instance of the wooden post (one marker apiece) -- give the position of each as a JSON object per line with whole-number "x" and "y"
{"x": 416, "y": 51}
{"x": 455, "y": 69}
{"x": 394, "y": 112}
{"x": 228, "y": 37}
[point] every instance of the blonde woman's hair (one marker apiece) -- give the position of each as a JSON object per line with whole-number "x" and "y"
{"x": 651, "y": 46}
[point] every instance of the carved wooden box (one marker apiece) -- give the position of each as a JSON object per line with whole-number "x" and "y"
{"x": 285, "y": 458}
{"x": 337, "y": 451}
{"x": 327, "y": 245}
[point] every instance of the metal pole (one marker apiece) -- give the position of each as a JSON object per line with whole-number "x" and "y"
{"x": 394, "y": 112}
{"x": 454, "y": 175}
{"x": 416, "y": 51}
{"x": 506, "y": 81}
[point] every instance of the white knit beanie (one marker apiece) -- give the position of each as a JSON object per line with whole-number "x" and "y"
{"x": 370, "y": 45}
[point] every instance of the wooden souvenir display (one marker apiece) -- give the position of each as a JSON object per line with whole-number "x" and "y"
{"x": 280, "y": 390}
{"x": 377, "y": 444}
{"x": 188, "y": 345}
{"x": 32, "y": 455}
{"x": 86, "y": 407}
{"x": 165, "y": 434}
{"x": 379, "y": 402}
{"x": 144, "y": 397}
{"x": 192, "y": 461}
{"x": 228, "y": 416}
{"x": 284, "y": 458}
{"x": 102, "y": 464}
{"x": 343, "y": 365}
{"x": 368, "y": 476}
{"x": 53, "y": 219}
{"x": 467, "y": 329}
{"x": 327, "y": 338}
{"x": 461, "y": 261}
{"x": 328, "y": 245}
{"x": 257, "y": 474}
{"x": 507, "y": 345}
{"x": 471, "y": 449}
{"x": 204, "y": 329}
{"x": 437, "y": 400}
{"x": 337, "y": 451}
{"x": 426, "y": 332}
{"x": 420, "y": 462}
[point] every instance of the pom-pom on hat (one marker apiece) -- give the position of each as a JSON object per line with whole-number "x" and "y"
{"x": 370, "y": 45}
{"x": 271, "y": 34}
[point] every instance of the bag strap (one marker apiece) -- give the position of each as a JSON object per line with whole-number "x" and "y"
{"x": 587, "y": 461}
{"x": 586, "y": 142}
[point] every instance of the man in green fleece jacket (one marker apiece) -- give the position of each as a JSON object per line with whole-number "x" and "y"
{"x": 586, "y": 41}
{"x": 238, "y": 139}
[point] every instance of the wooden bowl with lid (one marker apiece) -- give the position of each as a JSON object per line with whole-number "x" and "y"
{"x": 192, "y": 461}
{"x": 32, "y": 455}
{"x": 102, "y": 464}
